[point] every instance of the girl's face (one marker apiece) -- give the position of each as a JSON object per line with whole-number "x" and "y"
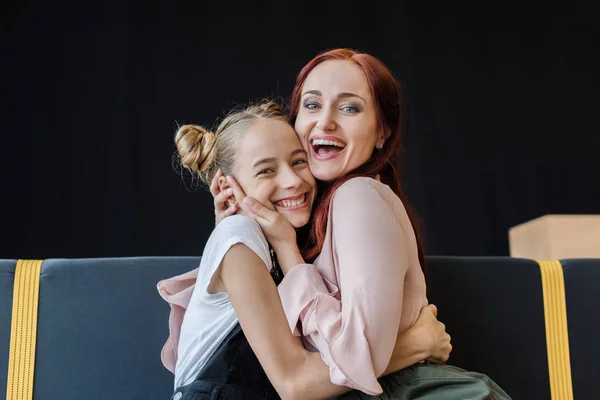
{"x": 272, "y": 167}
{"x": 337, "y": 119}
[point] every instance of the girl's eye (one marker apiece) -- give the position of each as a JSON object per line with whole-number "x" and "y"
{"x": 265, "y": 171}
{"x": 311, "y": 105}
{"x": 299, "y": 162}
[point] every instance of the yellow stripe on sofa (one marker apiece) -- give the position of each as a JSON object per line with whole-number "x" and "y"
{"x": 23, "y": 330}
{"x": 557, "y": 334}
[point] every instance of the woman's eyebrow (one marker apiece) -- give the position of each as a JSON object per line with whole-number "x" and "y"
{"x": 343, "y": 95}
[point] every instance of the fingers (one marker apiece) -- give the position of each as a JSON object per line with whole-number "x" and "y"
{"x": 238, "y": 192}
{"x": 433, "y": 309}
{"x": 220, "y": 200}
{"x": 442, "y": 355}
{"x": 214, "y": 184}
{"x": 229, "y": 211}
{"x": 259, "y": 211}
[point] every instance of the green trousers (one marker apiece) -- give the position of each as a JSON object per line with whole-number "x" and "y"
{"x": 434, "y": 382}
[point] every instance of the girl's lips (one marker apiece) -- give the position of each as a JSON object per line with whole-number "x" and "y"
{"x": 281, "y": 204}
{"x": 295, "y": 208}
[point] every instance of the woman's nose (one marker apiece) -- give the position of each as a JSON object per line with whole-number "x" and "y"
{"x": 325, "y": 121}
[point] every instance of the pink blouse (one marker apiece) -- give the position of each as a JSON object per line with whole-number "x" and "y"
{"x": 365, "y": 287}
{"x": 369, "y": 263}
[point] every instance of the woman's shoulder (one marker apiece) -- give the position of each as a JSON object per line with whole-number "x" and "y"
{"x": 363, "y": 188}
{"x": 368, "y": 196}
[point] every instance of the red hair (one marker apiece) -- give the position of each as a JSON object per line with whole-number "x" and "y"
{"x": 387, "y": 96}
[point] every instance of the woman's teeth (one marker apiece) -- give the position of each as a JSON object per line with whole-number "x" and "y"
{"x": 293, "y": 202}
{"x": 322, "y": 142}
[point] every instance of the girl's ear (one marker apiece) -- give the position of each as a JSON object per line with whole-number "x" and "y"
{"x": 223, "y": 184}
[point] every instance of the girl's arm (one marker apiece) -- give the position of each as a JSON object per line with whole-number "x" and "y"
{"x": 294, "y": 372}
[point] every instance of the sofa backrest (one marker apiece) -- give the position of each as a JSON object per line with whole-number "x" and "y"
{"x": 494, "y": 311}
{"x": 102, "y": 325}
{"x": 582, "y": 289}
{"x": 7, "y": 276}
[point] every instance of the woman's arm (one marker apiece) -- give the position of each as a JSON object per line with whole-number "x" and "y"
{"x": 356, "y": 335}
{"x": 427, "y": 340}
{"x": 294, "y": 372}
{"x": 372, "y": 234}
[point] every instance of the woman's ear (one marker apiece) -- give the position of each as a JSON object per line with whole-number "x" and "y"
{"x": 386, "y": 135}
{"x": 380, "y": 141}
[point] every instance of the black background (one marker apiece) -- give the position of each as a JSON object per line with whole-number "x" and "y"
{"x": 502, "y": 105}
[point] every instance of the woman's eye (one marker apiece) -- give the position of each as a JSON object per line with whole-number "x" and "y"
{"x": 311, "y": 105}
{"x": 350, "y": 109}
{"x": 299, "y": 162}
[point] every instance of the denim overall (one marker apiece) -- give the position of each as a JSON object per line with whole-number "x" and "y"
{"x": 233, "y": 372}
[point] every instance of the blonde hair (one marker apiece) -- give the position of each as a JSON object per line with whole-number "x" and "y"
{"x": 203, "y": 152}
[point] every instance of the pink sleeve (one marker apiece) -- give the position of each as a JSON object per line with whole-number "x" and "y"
{"x": 356, "y": 337}
{"x": 177, "y": 291}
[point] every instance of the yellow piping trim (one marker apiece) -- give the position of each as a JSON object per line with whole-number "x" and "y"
{"x": 23, "y": 330}
{"x": 557, "y": 335}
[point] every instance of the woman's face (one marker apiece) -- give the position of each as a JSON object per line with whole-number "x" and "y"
{"x": 337, "y": 120}
{"x": 272, "y": 167}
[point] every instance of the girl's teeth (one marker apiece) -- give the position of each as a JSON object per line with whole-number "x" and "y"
{"x": 292, "y": 203}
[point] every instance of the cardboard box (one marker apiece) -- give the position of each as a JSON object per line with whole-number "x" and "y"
{"x": 556, "y": 237}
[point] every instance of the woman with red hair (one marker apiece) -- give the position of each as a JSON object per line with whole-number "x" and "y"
{"x": 360, "y": 280}
{"x": 229, "y": 335}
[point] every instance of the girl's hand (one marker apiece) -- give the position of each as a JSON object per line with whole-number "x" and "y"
{"x": 277, "y": 229}
{"x": 222, "y": 208}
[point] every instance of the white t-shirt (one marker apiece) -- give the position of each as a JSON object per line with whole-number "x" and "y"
{"x": 209, "y": 318}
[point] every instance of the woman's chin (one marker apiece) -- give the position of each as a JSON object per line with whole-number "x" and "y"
{"x": 324, "y": 174}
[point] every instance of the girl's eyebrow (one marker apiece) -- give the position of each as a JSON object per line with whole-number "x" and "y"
{"x": 263, "y": 161}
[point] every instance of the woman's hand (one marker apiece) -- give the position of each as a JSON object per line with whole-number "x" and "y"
{"x": 434, "y": 335}
{"x": 222, "y": 209}
{"x": 426, "y": 340}
{"x": 277, "y": 229}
